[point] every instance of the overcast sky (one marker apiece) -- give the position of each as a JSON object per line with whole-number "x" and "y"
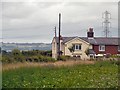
{"x": 35, "y": 21}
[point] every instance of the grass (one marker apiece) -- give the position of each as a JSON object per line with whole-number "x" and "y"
{"x": 98, "y": 75}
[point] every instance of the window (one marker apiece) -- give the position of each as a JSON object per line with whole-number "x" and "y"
{"x": 77, "y": 47}
{"x": 101, "y": 47}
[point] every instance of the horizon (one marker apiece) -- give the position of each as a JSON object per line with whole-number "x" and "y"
{"x": 53, "y": 37}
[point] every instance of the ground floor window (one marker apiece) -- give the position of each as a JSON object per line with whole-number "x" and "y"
{"x": 101, "y": 47}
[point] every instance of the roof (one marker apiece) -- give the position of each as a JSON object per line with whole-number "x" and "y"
{"x": 95, "y": 41}
{"x": 91, "y": 51}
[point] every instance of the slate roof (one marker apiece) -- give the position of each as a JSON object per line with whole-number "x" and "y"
{"x": 95, "y": 41}
{"x": 91, "y": 51}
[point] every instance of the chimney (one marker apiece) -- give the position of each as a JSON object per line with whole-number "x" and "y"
{"x": 90, "y": 33}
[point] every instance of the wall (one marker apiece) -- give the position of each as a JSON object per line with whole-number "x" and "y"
{"x": 112, "y": 49}
{"x": 84, "y": 46}
{"x": 54, "y": 49}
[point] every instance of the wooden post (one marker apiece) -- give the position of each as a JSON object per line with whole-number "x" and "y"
{"x": 59, "y": 35}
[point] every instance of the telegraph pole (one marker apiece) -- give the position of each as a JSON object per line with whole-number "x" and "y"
{"x": 59, "y": 35}
{"x": 106, "y": 23}
{"x": 55, "y": 31}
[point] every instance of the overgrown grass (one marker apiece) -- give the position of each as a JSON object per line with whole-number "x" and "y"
{"x": 100, "y": 75}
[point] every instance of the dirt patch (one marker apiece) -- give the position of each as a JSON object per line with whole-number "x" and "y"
{"x": 34, "y": 64}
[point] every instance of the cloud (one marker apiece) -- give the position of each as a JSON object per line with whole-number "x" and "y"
{"x": 35, "y": 21}
{"x": 60, "y": 0}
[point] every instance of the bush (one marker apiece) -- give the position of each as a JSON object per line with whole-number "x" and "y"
{"x": 46, "y": 59}
{"x": 16, "y": 52}
{"x": 115, "y": 62}
{"x": 49, "y": 59}
{"x": 37, "y": 52}
{"x": 35, "y": 59}
{"x": 7, "y": 59}
{"x": 31, "y": 56}
{"x": 115, "y": 56}
{"x": 64, "y": 58}
{"x": 41, "y": 58}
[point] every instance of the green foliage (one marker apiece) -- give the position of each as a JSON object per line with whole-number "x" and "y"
{"x": 64, "y": 58}
{"x": 40, "y": 58}
{"x": 0, "y": 57}
{"x": 101, "y": 75}
{"x": 71, "y": 49}
{"x": 46, "y": 59}
{"x": 115, "y": 56}
{"x": 6, "y": 59}
{"x": 31, "y": 56}
{"x": 37, "y": 52}
{"x": 87, "y": 51}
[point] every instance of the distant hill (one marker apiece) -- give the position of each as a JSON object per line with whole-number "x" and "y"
{"x": 26, "y": 46}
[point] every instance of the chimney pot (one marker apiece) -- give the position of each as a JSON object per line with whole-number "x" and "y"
{"x": 90, "y": 33}
{"x": 91, "y": 29}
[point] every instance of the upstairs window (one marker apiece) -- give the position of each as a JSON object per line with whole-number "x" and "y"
{"x": 77, "y": 46}
{"x": 101, "y": 47}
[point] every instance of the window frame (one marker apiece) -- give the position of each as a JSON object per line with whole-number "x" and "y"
{"x": 101, "y": 48}
{"x": 78, "y": 46}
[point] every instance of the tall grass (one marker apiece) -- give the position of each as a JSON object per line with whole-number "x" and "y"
{"x": 10, "y": 66}
{"x": 99, "y": 75}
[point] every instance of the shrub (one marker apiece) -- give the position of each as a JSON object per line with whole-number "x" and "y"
{"x": 64, "y": 58}
{"x": 35, "y": 58}
{"x": 45, "y": 59}
{"x": 87, "y": 51}
{"x": 19, "y": 58}
{"x": 31, "y": 56}
{"x": 115, "y": 62}
{"x": 72, "y": 49}
{"x": 16, "y": 52}
{"x": 7, "y": 59}
{"x": 115, "y": 56}
{"x": 49, "y": 59}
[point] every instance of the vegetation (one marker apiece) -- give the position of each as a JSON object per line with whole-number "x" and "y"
{"x": 64, "y": 58}
{"x": 71, "y": 49}
{"x": 102, "y": 74}
{"x": 31, "y": 56}
{"x": 115, "y": 56}
{"x": 87, "y": 51}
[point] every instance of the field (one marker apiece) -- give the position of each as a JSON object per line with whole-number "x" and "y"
{"x": 102, "y": 74}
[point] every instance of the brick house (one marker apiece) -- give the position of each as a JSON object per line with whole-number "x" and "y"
{"x": 78, "y": 46}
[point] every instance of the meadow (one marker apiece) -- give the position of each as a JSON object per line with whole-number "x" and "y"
{"x": 102, "y": 74}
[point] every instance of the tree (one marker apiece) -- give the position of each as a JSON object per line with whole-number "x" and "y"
{"x": 16, "y": 52}
{"x": 17, "y": 55}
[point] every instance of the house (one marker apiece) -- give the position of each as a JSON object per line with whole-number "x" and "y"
{"x": 85, "y": 47}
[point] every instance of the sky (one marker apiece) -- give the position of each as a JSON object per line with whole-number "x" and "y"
{"x": 34, "y": 21}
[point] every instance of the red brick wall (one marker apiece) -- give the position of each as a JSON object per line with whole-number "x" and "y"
{"x": 112, "y": 49}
